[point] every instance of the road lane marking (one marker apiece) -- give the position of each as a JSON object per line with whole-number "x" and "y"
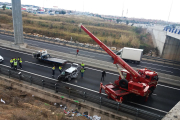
{"x": 171, "y": 79}
{"x": 101, "y": 71}
{"x": 155, "y": 69}
{"x": 16, "y": 51}
{"x": 37, "y": 64}
{"x": 32, "y": 44}
{"x": 83, "y": 87}
{"x": 160, "y": 65}
{"x": 148, "y": 107}
{"x": 169, "y": 87}
{"x": 81, "y": 54}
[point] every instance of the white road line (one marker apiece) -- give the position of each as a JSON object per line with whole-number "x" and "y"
{"x": 155, "y": 69}
{"x": 170, "y": 79}
{"x": 16, "y": 51}
{"x": 169, "y": 87}
{"x": 83, "y": 88}
{"x": 101, "y": 71}
{"x": 86, "y": 55}
{"x": 79, "y": 54}
{"x": 149, "y": 107}
{"x": 37, "y": 64}
{"x": 32, "y": 73}
{"x": 161, "y": 65}
{"x": 33, "y": 44}
{"x": 154, "y": 94}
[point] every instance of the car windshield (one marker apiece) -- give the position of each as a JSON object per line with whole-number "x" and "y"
{"x": 62, "y": 73}
{"x": 73, "y": 65}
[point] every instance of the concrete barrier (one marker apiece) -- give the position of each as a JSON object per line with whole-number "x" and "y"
{"x": 174, "y": 113}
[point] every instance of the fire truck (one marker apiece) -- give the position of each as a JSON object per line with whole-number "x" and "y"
{"x": 141, "y": 82}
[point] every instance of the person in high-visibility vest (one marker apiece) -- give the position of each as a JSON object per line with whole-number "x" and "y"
{"x": 60, "y": 69}
{"x": 14, "y": 59}
{"x": 20, "y": 63}
{"x": 18, "y": 59}
{"x": 11, "y": 62}
{"x": 82, "y": 72}
{"x": 82, "y": 64}
{"x": 15, "y": 65}
{"x": 53, "y": 71}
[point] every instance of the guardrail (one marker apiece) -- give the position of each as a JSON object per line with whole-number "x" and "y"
{"x": 80, "y": 45}
{"x": 76, "y": 92}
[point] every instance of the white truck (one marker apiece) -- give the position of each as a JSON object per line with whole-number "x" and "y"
{"x": 130, "y": 54}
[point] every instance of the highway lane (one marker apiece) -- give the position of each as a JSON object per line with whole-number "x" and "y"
{"x": 163, "y": 99}
{"x": 158, "y": 67}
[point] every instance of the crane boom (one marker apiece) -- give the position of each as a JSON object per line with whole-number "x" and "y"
{"x": 117, "y": 60}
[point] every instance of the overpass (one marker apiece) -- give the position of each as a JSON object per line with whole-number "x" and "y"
{"x": 167, "y": 42}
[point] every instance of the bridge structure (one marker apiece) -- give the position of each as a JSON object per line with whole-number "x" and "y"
{"x": 167, "y": 42}
{"x": 17, "y": 22}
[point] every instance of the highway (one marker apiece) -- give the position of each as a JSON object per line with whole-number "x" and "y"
{"x": 163, "y": 99}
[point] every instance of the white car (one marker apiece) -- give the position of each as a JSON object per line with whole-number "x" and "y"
{"x": 70, "y": 73}
{"x": 1, "y": 59}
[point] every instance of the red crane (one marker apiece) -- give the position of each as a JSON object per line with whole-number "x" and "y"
{"x": 143, "y": 82}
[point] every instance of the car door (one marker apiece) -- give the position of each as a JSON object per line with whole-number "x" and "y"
{"x": 75, "y": 74}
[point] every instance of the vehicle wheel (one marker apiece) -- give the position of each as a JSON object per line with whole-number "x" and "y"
{"x": 69, "y": 78}
{"x": 151, "y": 91}
{"x": 123, "y": 83}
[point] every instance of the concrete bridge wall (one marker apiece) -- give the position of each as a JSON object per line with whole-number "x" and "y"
{"x": 168, "y": 43}
{"x": 171, "y": 49}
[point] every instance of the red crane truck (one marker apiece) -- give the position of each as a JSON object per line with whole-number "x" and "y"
{"x": 142, "y": 82}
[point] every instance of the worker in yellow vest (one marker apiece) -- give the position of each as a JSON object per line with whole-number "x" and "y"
{"x": 53, "y": 71}
{"x": 11, "y": 63}
{"x": 20, "y": 63}
{"x": 82, "y": 64}
{"x": 60, "y": 69}
{"x": 15, "y": 65}
{"x": 14, "y": 59}
{"x": 18, "y": 59}
{"x": 82, "y": 72}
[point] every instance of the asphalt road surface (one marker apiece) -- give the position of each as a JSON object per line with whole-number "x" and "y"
{"x": 158, "y": 67}
{"x": 162, "y": 100}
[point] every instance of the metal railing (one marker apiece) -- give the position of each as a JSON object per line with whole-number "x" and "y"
{"x": 77, "y": 92}
{"x": 80, "y": 45}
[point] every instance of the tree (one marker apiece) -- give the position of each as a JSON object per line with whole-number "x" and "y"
{"x": 127, "y": 22}
{"x": 117, "y": 20}
{"x": 63, "y": 12}
{"x": 4, "y": 7}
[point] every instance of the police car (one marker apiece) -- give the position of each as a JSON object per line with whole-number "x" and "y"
{"x": 1, "y": 59}
{"x": 69, "y": 73}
